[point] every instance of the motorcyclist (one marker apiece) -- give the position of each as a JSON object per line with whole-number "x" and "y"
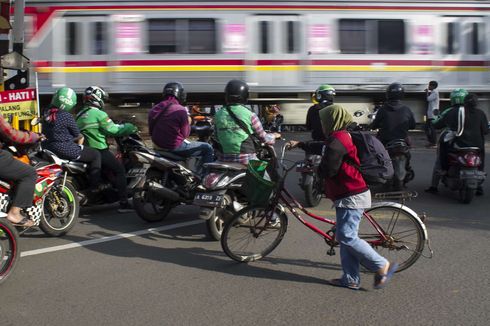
{"x": 394, "y": 119}
{"x": 96, "y": 125}
{"x": 64, "y": 138}
{"x": 237, "y": 144}
{"x": 323, "y": 97}
{"x": 169, "y": 125}
{"x": 14, "y": 170}
{"x": 462, "y": 130}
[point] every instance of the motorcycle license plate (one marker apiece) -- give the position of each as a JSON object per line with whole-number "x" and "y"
{"x": 207, "y": 199}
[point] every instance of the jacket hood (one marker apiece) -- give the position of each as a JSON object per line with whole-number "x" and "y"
{"x": 393, "y": 105}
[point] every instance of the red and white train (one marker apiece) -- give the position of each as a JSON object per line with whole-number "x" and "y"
{"x": 283, "y": 49}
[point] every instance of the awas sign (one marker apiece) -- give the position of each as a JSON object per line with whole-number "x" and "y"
{"x": 20, "y": 103}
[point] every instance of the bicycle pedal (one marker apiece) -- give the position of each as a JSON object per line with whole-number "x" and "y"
{"x": 331, "y": 252}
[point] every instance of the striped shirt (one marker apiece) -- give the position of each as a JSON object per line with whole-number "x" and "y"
{"x": 10, "y": 134}
{"x": 244, "y": 158}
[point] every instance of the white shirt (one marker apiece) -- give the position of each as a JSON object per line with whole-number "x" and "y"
{"x": 433, "y": 103}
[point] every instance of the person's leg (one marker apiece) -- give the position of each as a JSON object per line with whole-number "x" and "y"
{"x": 25, "y": 177}
{"x": 93, "y": 158}
{"x": 110, "y": 162}
{"x": 196, "y": 148}
{"x": 353, "y": 249}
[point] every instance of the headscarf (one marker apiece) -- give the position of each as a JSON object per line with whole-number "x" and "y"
{"x": 334, "y": 117}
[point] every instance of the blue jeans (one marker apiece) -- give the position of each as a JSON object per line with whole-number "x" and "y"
{"x": 353, "y": 250}
{"x": 196, "y": 148}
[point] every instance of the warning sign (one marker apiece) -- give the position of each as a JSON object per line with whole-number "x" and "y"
{"x": 20, "y": 103}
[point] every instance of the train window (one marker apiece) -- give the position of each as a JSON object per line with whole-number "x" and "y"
{"x": 72, "y": 44}
{"x": 383, "y": 36}
{"x": 352, "y": 36}
{"x": 99, "y": 45}
{"x": 162, "y": 36}
{"x": 264, "y": 37}
{"x": 391, "y": 37}
{"x": 202, "y": 36}
{"x": 452, "y": 38}
{"x": 291, "y": 37}
{"x": 475, "y": 38}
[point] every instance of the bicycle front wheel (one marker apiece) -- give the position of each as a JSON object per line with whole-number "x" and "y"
{"x": 252, "y": 233}
{"x": 404, "y": 237}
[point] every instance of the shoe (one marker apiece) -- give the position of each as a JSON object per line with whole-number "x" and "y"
{"x": 338, "y": 283}
{"x": 380, "y": 280}
{"x": 431, "y": 146}
{"x": 479, "y": 191}
{"x": 125, "y": 207}
{"x": 432, "y": 190}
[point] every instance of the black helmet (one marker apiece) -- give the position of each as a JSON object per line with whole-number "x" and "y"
{"x": 324, "y": 94}
{"x": 395, "y": 91}
{"x": 176, "y": 90}
{"x": 471, "y": 101}
{"x": 236, "y": 91}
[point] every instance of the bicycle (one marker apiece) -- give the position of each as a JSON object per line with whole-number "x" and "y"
{"x": 391, "y": 228}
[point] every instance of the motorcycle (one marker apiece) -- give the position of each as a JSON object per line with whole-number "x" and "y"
{"x": 222, "y": 196}
{"x": 399, "y": 151}
{"x": 463, "y": 174}
{"x": 78, "y": 172}
{"x": 309, "y": 180}
{"x": 9, "y": 248}
{"x": 202, "y": 127}
{"x": 55, "y": 206}
{"x": 167, "y": 183}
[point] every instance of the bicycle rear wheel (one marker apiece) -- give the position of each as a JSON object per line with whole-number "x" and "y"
{"x": 404, "y": 232}
{"x": 252, "y": 234}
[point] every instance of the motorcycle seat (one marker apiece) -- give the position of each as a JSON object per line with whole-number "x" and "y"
{"x": 226, "y": 166}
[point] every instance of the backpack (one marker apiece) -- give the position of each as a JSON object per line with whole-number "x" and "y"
{"x": 376, "y": 167}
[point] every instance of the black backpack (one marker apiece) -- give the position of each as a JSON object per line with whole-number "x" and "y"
{"x": 376, "y": 166}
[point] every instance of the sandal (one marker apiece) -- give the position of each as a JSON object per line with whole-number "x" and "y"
{"x": 380, "y": 280}
{"x": 23, "y": 223}
{"x": 338, "y": 282}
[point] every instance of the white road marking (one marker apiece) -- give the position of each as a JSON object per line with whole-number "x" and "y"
{"x": 106, "y": 239}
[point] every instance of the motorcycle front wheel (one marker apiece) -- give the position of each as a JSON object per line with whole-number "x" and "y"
{"x": 60, "y": 209}
{"x": 313, "y": 191}
{"x": 9, "y": 250}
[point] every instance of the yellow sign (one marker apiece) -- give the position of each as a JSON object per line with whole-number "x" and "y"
{"x": 19, "y": 103}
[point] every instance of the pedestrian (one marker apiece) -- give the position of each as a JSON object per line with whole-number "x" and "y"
{"x": 432, "y": 96}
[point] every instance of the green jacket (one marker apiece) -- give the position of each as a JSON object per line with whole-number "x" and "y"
{"x": 95, "y": 125}
{"x": 232, "y": 138}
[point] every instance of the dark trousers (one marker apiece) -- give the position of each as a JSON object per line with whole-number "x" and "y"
{"x": 430, "y": 132}
{"x": 110, "y": 162}
{"x": 92, "y": 158}
{"x": 23, "y": 175}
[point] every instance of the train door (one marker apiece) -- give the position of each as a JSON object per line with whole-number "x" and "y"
{"x": 464, "y": 52}
{"x": 275, "y": 51}
{"x": 80, "y": 51}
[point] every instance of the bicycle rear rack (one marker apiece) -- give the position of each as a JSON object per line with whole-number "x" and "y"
{"x": 396, "y": 195}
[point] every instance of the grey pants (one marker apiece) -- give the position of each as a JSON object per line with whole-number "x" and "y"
{"x": 24, "y": 177}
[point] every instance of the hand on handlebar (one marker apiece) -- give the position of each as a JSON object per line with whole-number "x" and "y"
{"x": 276, "y": 135}
{"x": 292, "y": 144}
{"x": 42, "y": 137}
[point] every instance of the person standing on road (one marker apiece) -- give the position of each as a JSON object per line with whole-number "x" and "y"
{"x": 432, "y": 96}
{"x": 345, "y": 186}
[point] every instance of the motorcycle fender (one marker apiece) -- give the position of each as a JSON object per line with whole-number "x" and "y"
{"x": 305, "y": 179}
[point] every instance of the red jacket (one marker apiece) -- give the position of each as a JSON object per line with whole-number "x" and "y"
{"x": 338, "y": 162}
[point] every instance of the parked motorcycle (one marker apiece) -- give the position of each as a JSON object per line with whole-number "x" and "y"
{"x": 9, "y": 248}
{"x": 135, "y": 171}
{"x": 221, "y": 196}
{"x": 167, "y": 183}
{"x": 309, "y": 180}
{"x": 463, "y": 174}
{"x": 399, "y": 152}
{"x": 55, "y": 206}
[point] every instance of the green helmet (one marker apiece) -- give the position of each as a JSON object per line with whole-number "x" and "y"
{"x": 458, "y": 95}
{"x": 324, "y": 94}
{"x": 64, "y": 99}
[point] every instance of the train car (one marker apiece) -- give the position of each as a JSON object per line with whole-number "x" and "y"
{"x": 282, "y": 49}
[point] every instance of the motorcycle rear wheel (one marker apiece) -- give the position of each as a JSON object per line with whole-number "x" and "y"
{"x": 61, "y": 208}
{"x": 466, "y": 195}
{"x": 313, "y": 195}
{"x": 9, "y": 250}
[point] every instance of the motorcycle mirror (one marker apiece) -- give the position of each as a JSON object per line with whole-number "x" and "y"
{"x": 358, "y": 113}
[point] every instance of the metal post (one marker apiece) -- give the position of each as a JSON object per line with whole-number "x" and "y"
{"x": 18, "y": 28}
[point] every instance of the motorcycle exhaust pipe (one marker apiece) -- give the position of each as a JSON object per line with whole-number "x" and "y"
{"x": 162, "y": 192}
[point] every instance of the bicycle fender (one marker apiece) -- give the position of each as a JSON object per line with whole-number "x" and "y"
{"x": 404, "y": 208}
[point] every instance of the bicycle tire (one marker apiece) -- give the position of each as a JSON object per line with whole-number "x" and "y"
{"x": 9, "y": 249}
{"x": 239, "y": 241}
{"x": 405, "y": 233}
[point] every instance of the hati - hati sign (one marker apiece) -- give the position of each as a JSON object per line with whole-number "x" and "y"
{"x": 21, "y": 103}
